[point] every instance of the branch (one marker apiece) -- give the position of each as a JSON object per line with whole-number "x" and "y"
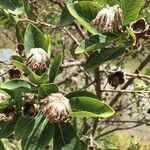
{"x": 117, "y": 129}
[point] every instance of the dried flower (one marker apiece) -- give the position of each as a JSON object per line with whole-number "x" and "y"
{"x": 37, "y": 59}
{"x": 139, "y": 27}
{"x": 9, "y": 114}
{"x": 29, "y": 109}
{"x": 148, "y": 32}
{"x": 116, "y": 78}
{"x": 108, "y": 18}
{"x": 56, "y": 107}
{"x": 14, "y": 73}
{"x": 20, "y": 49}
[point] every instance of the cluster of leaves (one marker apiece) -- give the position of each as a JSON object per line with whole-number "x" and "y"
{"x": 36, "y": 133}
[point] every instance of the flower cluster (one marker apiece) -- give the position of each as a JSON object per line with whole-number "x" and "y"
{"x": 108, "y": 18}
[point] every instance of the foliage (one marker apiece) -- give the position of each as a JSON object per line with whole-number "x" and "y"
{"x": 97, "y": 47}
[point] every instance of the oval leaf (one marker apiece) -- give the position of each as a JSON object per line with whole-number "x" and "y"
{"x": 21, "y": 125}
{"x": 38, "y": 134}
{"x": 55, "y": 67}
{"x": 81, "y": 93}
{"x": 6, "y": 128}
{"x": 89, "y": 107}
{"x": 18, "y": 84}
{"x": 106, "y": 54}
{"x": 46, "y": 89}
{"x": 65, "y": 137}
{"x": 34, "y": 38}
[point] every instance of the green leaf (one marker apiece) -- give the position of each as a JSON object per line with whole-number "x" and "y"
{"x": 89, "y": 107}
{"x": 18, "y": 62}
{"x": 21, "y": 125}
{"x": 55, "y": 67}
{"x": 81, "y": 93}
{"x": 66, "y": 18}
{"x": 18, "y": 84}
{"x": 85, "y": 12}
{"x": 46, "y": 89}
{"x": 2, "y": 146}
{"x": 132, "y": 35}
{"x": 38, "y": 80}
{"x": 19, "y": 32}
{"x": 29, "y": 9}
{"x": 18, "y": 99}
{"x": 34, "y": 38}
{"x": 106, "y": 54}
{"x": 131, "y": 9}
{"x": 65, "y": 137}
{"x": 14, "y": 6}
{"x": 95, "y": 42}
{"x": 6, "y": 128}
{"x": 37, "y": 134}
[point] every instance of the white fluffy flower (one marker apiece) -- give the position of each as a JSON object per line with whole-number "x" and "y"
{"x": 37, "y": 59}
{"x": 56, "y": 107}
{"x": 108, "y": 18}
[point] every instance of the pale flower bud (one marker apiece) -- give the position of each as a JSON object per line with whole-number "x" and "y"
{"x": 56, "y": 107}
{"x": 108, "y": 18}
{"x": 37, "y": 59}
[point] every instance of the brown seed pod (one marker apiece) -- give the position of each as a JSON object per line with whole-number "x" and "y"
{"x": 56, "y": 107}
{"x": 29, "y": 109}
{"x": 108, "y": 18}
{"x": 117, "y": 78}
{"x": 139, "y": 27}
{"x": 9, "y": 114}
{"x": 14, "y": 73}
{"x": 20, "y": 49}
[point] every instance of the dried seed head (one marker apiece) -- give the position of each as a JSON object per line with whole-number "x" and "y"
{"x": 9, "y": 114}
{"x": 139, "y": 27}
{"x": 14, "y": 73}
{"x": 56, "y": 107}
{"x": 29, "y": 110}
{"x": 108, "y": 18}
{"x": 116, "y": 78}
{"x": 148, "y": 32}
{"x": 37, "y": 59}
{"x": 20, "y": 49}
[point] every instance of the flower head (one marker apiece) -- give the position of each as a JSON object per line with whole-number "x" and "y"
{"x": 56, "y": 107}
{"x": 117, "y": 78}
{"x": 108, "y": 18}
{"x": 37, "y": 59}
